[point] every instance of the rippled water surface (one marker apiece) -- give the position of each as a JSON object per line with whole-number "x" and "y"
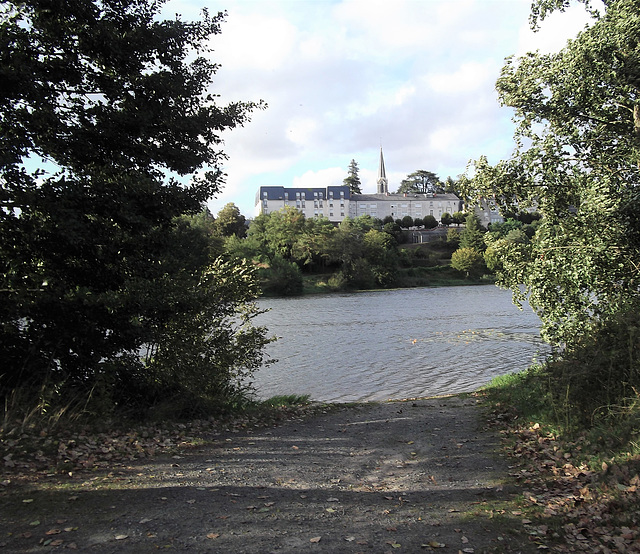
{"x": 395, "y": 344}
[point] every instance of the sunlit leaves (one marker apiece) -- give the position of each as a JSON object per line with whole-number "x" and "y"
{"x": 576, "y": 162}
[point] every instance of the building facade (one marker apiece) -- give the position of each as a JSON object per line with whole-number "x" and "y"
{"x": 337, "y": 202}
{"x": 400, "y": 205}
{"x": 330, "y": 202}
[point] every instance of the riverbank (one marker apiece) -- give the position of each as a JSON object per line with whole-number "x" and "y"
{"x": 408, "y": 278}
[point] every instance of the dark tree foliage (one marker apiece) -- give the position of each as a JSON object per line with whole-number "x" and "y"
{"x": 104, "y": 113}
{"x": 352, "y": 180}
{"x": 420, "y": 182}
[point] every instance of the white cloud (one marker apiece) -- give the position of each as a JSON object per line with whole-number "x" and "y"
{"x": 466, "y": 78}
{"x": 322, "y": 178}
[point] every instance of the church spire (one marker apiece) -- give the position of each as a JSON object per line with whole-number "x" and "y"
{"x": 383, "y": 183}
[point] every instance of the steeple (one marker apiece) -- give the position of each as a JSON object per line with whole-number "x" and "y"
{"x": 383, "y": 183}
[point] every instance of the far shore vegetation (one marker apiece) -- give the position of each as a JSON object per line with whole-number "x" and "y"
{"x": 296, "y": 255}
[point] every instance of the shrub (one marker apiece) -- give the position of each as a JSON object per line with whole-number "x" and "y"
{"x": 282, "y": 278}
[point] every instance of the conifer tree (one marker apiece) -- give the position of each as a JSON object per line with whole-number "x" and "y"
{"x": 353, "y": 180}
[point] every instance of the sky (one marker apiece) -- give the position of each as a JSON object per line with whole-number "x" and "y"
{"x": 344, "y": 78}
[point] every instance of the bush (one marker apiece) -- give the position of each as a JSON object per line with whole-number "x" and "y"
{"x": 338, "y": 281}
{"x": 598, "y": 382}
{"x": 467, "y": 260}
{"x": 281, "y": 278}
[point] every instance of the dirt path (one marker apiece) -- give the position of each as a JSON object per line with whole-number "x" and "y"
{"x": 408, "y": 476}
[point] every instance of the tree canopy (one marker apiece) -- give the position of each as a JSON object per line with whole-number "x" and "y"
{"x": 577, "y": 161}
{"x": 231, "y": 222}
{"x": 420, "y": 182}
{"x": 106, "y": 113}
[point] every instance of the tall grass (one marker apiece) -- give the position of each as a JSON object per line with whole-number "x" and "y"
{"x": 592, "y": 390}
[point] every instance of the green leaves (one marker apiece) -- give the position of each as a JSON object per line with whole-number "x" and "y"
{"x": 576, "y": 162}
{"x": 98, "y": 262}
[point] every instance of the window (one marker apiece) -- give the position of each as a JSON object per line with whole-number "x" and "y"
{"x": 341, "y": 194}
{"x": 286, "y": 196}
{"x": 315, "y": 195}
{"x": 264, "y": 194}
{"x": 297, "y": 195}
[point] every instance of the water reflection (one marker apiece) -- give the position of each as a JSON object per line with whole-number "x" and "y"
{"x": 395, "y": 344}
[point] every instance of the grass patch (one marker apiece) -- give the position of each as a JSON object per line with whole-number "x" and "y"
{"x": 316, "y": 283}
{"x": 288, "y": 400}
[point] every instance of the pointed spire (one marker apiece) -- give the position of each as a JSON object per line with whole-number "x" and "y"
{"x": 383, "y": 183}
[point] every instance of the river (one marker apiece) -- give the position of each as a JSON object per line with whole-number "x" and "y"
{"x": 395, "y": 344}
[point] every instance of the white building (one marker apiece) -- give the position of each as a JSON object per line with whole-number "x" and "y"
{"x": 336, "y": 202}
{"x": 330, "y": 202}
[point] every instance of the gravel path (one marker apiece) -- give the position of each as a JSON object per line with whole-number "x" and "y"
{"x": 412, "y": 476}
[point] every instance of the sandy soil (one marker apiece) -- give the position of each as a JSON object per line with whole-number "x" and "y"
{"x": 413, "y": 476}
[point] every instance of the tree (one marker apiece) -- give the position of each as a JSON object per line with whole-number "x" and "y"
{"x": 114, "y": 108}
{"x": 231, "y": 222}
{"x": 472, "y": 235}
{"x": 579, "y": 113}
{"x": 407, "y": 221}
{"x": 458, "y": 218}
{"x": 315, "y": 247}
{"x": 353, "y": 180}
{"x": 380, "y": 251}
{"x": 446, "y": 219}
{"x": 467, "y": 260}
{"x": 430, "y": 222}
{"x": 420, "y": 182}
{"x": 451, "y": 186}
{"x": 453, "y": 236}
{"x": 276, "y": 233}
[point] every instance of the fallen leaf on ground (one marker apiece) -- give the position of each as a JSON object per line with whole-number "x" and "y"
{"x": 213, "y": 535}
{"x": 315, "y": 539}
{"x": 435, "y": 544}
